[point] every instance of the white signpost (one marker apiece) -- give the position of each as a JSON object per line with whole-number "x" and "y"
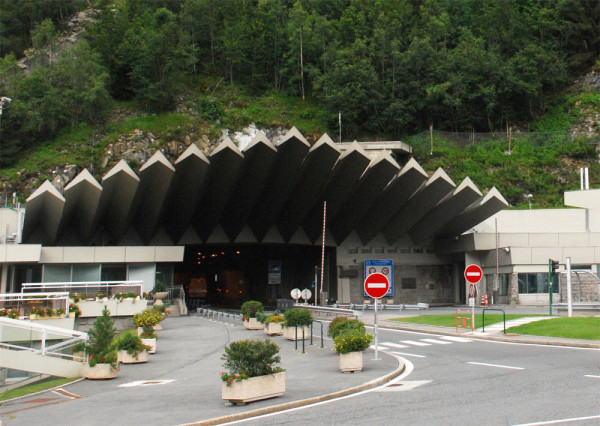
{"x": 376, "y": 286}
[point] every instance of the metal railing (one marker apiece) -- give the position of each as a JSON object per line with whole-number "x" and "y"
{"x": 24, "y": 304}
{"x": 220, "y": 316}
{"x": 44, "y": 334}
{"x": 493, "y": 309}
{"x": 88, "y": 288}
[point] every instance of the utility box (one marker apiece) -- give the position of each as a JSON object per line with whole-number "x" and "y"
{"x": 284, "y": 304}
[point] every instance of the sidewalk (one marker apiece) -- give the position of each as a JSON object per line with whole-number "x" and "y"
{"x": 181, "y": 383}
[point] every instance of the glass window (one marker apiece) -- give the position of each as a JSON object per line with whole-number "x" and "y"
{"x": 57, "y": 273}
{"x": 86, "y": 273}
{"x": 113, "y": 273}
{"x": 504, "y": 284}
{"x": 536, "y": 283}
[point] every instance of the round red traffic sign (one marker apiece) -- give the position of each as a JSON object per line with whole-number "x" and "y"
{"x": 473, "y": 274}
{"x": 376, "y": 285}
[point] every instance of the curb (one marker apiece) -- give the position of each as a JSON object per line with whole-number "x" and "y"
{"x": 509, "y": 338}
{"x": 300, "y": 403}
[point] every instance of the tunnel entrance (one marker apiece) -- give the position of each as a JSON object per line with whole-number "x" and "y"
{"x": 226, "y": 275}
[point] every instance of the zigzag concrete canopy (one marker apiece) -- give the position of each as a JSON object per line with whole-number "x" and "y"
{"x": 266, "y": 193}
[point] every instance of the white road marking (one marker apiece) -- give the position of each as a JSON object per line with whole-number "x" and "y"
{"x": 553, "y": 422}
{"x": 404, "y": 386}
{"x": 437, "y": 342}
{"x": 496, "y": 365}
{"x": 405, "y": 354}
{"x": 381, "y": 348}
{"x": 394, "y": 345}
{"x": 145, "y": 383}
{"x": 456, "y": 339}
{"x": 593, "y": 377}
{"x": 415, "y": 343}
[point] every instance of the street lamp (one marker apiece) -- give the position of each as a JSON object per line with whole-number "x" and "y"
{"x": 529, "y": 196}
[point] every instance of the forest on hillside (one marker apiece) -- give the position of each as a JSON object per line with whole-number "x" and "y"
{"x": 390, "y": 67}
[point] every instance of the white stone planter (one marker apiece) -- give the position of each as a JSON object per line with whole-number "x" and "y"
{"x": 254, "y": 388}
{"x": 274, "y": 329}
{"x": 126, "y": 307}
{"x": 159, "y": 296}
{"x": 290, "y": 333}
{"x": 151, "y": 343}
{"x": 126, "y": 358}
{"x": 253, "y": 324}
{"x": 98, "y": 372}
{"x": 352, "y": 361}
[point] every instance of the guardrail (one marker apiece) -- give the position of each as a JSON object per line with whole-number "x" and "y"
{"x": 326, "y": 311}
{"x": 89, "y": 288}
{"x": 220, "y": 316}
{"x": 24, "y": 304}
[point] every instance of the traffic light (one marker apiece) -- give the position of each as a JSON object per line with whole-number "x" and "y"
{"x": 554, "y": 265}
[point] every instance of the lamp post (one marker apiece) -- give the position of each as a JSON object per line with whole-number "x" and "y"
{"x": 529, "y": 196}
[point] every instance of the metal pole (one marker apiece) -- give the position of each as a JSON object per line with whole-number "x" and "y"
{"x": 323, "y": 248}
{"x": 376, "y": 334}
{"x": 550, "y": 284}
{"x": 569, "y": 298}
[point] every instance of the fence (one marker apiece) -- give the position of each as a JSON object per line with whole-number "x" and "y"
{"x": 28, "y": 304}
{"x": 90, "y": 288}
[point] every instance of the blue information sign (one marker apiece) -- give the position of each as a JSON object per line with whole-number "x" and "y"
{"x": 381, "y": 266}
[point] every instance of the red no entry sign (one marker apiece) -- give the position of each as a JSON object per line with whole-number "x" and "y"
{"x": 473, "y": 274}
{"x": 376, "y": 285}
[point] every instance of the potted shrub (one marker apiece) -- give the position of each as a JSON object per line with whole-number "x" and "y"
{"x": 159, "y": 292}
{"x": 340, "y": 325}
{"x": 251, "y": 371}
{"x": 250, "y": 310}
{"x": 10, "y": 313}
{"x": 273, "y": 324}
{"x": 149, "y": 338}
{"x": 102, "y": 358}
{"x": 74, "y": 311}
{"x": 296, "y": 323}
{"x": 131, "y": 349}
{"x": 350, "y": 346}
{"x": 149, "y": 317}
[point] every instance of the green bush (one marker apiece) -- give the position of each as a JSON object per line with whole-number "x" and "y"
{"x": 250, "y": 358}
{"x": 352, "y": 341}
{"x": 129, "y": 341}
{"x": 341, "y": 324}
{"x": 274, "y": 318}
{"x": 100, "y": 349}
{"x": 298, "y": 317}
{"x": 251, "y": 307}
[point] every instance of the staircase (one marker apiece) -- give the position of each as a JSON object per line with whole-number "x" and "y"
{"x": 40, "y": 349}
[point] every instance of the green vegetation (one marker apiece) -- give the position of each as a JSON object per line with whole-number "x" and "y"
{"x": 449, "y": 320}
{"x": 575, "y": 328}
{"x": 36, "y": 387}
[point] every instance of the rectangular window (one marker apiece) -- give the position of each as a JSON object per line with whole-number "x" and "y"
{"x": 504, "y": 284}
{"x": 113, "y": 273}
{"x": 83, "y": 273}
{"x": 536, "y": 283}
{"x": 392, "y": 250}
{"x": 365, "y": 250}
{"x": 57, "y": 273}
{"x": 379, "y": 250}
{"x": 353, "y": 250}
{"x": 405, "y": 250}
{"x": 418, "y": 250}
{"x": 409, "y": 283}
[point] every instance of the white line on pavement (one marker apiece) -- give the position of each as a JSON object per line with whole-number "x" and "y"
{"x": 394, "y": 345}
{"x": 437, "y": 342}
{"x": 415, "y": 343}
{"x": 553, "y": 422}
{"x": 593, "y": 377}
{"x": 405, "y": 354}
{"x": 456, "y": 339}
{"x": 496, "y": 365}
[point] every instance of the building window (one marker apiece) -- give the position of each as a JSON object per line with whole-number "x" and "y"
{"x": 405, "y": 250}
{"x": 504, "y": 284}
{"x": 418, "y": 250}
{"x": 409, "y": 283}
{"x": 57, "y": 273}
{"x": 365, "y": 250}
{"x": 353, "y": 250}
{"x": 83, "y": 272}
{"x": 430, "y": 250}
{"x": 536, "y": 283}
{"x": 379, "y": 250}
{"x": 113, "y": 273}
{"x": 392, "y": 250}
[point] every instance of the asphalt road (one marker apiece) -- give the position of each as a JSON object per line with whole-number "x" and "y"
{"x": 468, "y": 382}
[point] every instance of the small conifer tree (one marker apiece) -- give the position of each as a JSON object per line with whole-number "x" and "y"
{"x": 99, "y": 348}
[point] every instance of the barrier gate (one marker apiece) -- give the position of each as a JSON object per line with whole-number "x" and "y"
{"x": 464, "y": 319}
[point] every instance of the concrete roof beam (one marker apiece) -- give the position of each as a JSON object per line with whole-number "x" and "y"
{"x": 462, "y": 197}
{"x": 82, "y": 198}
{"x": 314, "y": 176}
{"x": 44, "y": 211}
{"x": 259, "y": 157}
{"x": 225, "y": 165}
{"x": 155, "y": 178}
{"x": 280, "y": 183}
{"x": 345, "y": 175}
{"x": 426, "y": 197}
{"x": 395, "y": 194}
{"x": 184, "y": 194}
{"x": 376, "y": 177}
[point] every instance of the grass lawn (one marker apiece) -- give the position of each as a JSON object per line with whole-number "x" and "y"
{"x": 36, "y": 387}
{"x": 449, "y": 320}
{"x": 576, "y": 328}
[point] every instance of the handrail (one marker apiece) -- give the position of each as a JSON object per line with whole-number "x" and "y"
{"x": 311, "y": 332}
{"x": 135, "y": 285}
{"x": 326, "y": 309}
{"x": 15, "y": 300}
{"x": 494, "y": 309}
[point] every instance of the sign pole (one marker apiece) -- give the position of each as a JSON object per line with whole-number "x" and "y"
{"x": 376, "y": 334}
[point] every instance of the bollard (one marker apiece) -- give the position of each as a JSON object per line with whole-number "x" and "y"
{"x": 303, "y": 328}
{"x": 296, "y": 338}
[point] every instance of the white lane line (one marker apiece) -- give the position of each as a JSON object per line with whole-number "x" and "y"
{"x": 394, "y": 345}
{"x": 496, "y": 365}
{"x": 405, "y": 354}
{"x": 415, "y": 343}
{"x": 553, "y": 422}
{"x": 381, "y": 348}
{"x": 456, "y": 339}
{"x": 437, "y": 342}
{"x": 593, "y": 377}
